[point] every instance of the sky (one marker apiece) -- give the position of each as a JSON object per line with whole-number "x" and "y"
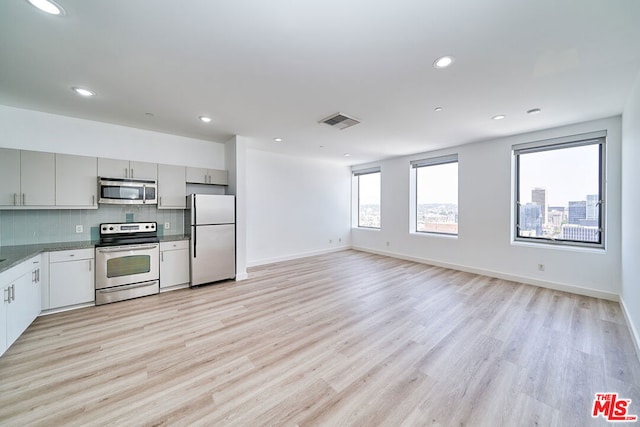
{"x": 437, "y": 184}
{"x": 369, "y": 189}
{"x": 567, "y": 174}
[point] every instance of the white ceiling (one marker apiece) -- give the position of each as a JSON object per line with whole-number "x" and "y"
{"x": 266, "y": 69}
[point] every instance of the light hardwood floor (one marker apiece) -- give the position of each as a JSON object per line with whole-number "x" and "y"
{"x": 347, "y": 338}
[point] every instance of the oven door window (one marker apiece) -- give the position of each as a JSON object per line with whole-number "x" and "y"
{"x": 118, "y": 192}
{"x": 128, "y": 265}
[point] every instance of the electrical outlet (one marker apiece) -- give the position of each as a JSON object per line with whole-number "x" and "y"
{"x": 330, "y": 241}
{"x": 339, "y": 239}
{"x": 79, "y": 228}
{"x": 540, "y": 267}
{"x": 167, "y": 225}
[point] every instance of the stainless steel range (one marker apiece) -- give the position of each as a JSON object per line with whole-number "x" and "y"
{"x": 127, "y": 261}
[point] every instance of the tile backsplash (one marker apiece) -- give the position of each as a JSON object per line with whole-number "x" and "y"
{"x": 26, "y": 227}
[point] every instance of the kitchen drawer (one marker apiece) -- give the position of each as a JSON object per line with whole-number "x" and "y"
{"x": 72, "y": 255}
{"x": 178, "y": 244}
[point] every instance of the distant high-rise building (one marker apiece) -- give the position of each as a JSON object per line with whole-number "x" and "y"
{"x": 556, "y": 217}
{"x": 530, "y": 219}
{"x": 592, "y": 207}
{"x": 577, "y": 211}
{"x": 539, "y": 197}
{"x": 580, "y": 233}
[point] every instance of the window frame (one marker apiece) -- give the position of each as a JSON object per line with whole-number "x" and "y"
{"x": 593, "y": 138}
{"x": 427, "y": 162}
{"x": 356, "y": 174}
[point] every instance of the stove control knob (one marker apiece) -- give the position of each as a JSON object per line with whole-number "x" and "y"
{"x": 104, "y": 228}
{"x": 110, "y": 228}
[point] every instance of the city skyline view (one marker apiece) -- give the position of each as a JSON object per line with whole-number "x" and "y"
{"x": 559, "y": 194}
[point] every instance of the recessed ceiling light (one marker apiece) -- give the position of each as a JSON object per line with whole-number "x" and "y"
{"x": 346, "y": 154}
{"x": 205, "y": 119}
{"x": 443, "y": 62}
{"x": 534, "y": 111}
{"x": 438, "y": 109}
{"x": 498, "y": 117}
{"x": 83, "y": 92}
{"x": 48, "y": 6}
{"x": 277, "y": 139}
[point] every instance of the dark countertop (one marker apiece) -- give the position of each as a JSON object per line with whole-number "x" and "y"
{"x": 14, "y": 255}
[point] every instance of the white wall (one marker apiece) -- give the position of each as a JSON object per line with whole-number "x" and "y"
{"x": 484, "y": 244}
{"x": 236, "y": 159}
{"x": 295, "y": 206}
{"x": 630, "y": 296}
{"x": 34, "y": 130}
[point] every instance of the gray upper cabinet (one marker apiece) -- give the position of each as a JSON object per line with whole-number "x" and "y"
{"x": 9, "y": 176}
{"x": 113, "y": 168}
{"x": 37, "y": 178}
{"x": 76, "y": 181}
{"x": 172, "y": 187}
{"x": 207, "y": 176}
{"x": 27, "y": 178}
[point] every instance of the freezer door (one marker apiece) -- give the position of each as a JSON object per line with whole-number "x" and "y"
{"x": 212, "y": 209}
{"x": 213, "y": 253}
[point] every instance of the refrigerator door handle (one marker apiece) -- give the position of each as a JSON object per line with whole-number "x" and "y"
{"x": 195, "y": 227}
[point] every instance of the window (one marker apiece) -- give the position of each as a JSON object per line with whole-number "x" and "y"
{"x": 560, "y": 190}
{"x": 436, "y": 195}
{"x": 367, "y": 186}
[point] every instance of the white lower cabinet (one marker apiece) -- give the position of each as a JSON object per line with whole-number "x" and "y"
{"x": 174, "y": 263}
{"x": 21, "y": 300}
{"x": 71, "y": 277}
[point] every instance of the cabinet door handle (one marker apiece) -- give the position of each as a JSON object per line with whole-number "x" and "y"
{"x": 13, "y": 292}
{"x": 90, "y": 266}
{"x": 23, "y": 198}
{"x": 131, "y": 172}
{"x": 162, "y": 256}
{"x": 126, "y": 172}
{"x": 15, "y": 199}
{"x": 160, "y": 200}
{"x": 93, "y": 200}
{"x": 38, "y": 276}
{"x": 7, "y": 296}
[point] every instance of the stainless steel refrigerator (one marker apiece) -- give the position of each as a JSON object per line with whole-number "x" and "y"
{"x": 211, "y": 220}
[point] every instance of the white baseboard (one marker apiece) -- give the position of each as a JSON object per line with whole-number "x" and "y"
{"x": 241, "y": 276}
{"x": 298, "y": 255}
{"x": 635, "y": 335}
{"x": 499, "y": 275}
{"x": 66, "y": 308}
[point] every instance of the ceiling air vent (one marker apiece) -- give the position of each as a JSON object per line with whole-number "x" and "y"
{"x": 340, "y": 121}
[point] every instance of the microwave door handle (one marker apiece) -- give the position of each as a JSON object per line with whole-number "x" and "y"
{"x": 144, "y": 191}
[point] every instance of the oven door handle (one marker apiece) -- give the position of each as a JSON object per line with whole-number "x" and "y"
{"x": 127, "y": 248}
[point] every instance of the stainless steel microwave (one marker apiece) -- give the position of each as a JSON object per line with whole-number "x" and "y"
{"x": 118, "y": 191}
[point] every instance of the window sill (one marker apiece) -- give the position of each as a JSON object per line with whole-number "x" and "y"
{"x": 366, "y": 228}
{"x": 559, "y": 246}
{"x": 437, "y": 235}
